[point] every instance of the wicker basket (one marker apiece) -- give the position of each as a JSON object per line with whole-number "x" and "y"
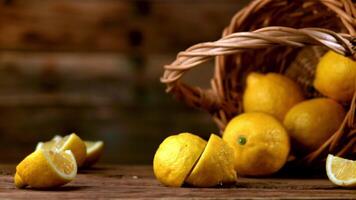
{"x": 268, "y": 36}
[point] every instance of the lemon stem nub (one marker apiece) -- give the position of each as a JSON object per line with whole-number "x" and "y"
{"x": 18, "y": 182}
{"x": 242, "y": 140}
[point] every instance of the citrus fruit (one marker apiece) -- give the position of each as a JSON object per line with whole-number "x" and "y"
{"x": 270, "y": 93}
{"x": 260, "y": 141}
{"x": 70, "y": 142}
{"x": 310, "y": 123}
{"x": 49, "y": 144}
{"x": 341, "y": 171}
{"x": 336, "y": 76}
{"x": 94, "y": 151}
{"x": 46, "y": 169}
{"x": 215, "y": 166}
{"x": 175, "y": 158}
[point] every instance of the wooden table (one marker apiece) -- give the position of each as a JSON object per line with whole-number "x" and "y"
{"x": 116, "y": 181}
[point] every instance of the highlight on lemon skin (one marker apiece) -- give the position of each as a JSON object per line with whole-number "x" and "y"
{"x": 46, "y": 169}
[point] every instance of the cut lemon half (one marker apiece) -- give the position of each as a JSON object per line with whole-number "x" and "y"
{"x": 341, "y": 172}
{"x": 70, "y": 142}
{"x": 94, "y": 151}
{"x": 175, "y": 158}
{"x": 215, "y": 165}
{"x": 46, "y": 169}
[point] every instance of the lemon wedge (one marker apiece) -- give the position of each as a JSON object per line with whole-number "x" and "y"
{"x": 341, "y": 172}
{"x": 70, "y": 142}
{"x": 94, "y": 151}
{"x": 46, "y": 169}
{"x": 49, "y": 144}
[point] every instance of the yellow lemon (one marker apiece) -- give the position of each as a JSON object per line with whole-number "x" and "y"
{"x": 310, "y": 123}
{"x": 260, "y": 141}
{"x": 336, "y": 76}
{"x": 94, "y": 151}
{"x": 215, "y": 166}
{"x": 341, "y": 172}
{"x": 70, "y": 142}
{"x": 272, "y": 93}
{"x": 46, "y": 169}
{"x": 175, "y": 158}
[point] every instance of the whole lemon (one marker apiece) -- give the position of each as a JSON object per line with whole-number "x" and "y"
{"x": 215, "y": 166}
{"x": 310, "y": 123}
{"x": 175, "y": 158}
{"x": 260, "y": 141}
{"x": 272, "y": 93}
{"x": 336, "y": 76}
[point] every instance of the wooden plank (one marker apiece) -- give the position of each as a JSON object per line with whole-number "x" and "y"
{"x": 125, "y": 26}
{"x": 115, "y": 181}
{"x": 76, "y": 78}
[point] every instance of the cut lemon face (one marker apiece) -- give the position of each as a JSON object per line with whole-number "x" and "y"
{"x": 215, "y": 166}
{"x": 46, "y": 169}
{"x": 50, "y": 144}
{"x": 341, "y": 172}
{"x": 70, "y": 142}
{"x": 94, "y": 151}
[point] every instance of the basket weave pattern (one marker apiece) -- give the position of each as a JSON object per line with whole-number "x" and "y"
{"x": 267, "y": 36}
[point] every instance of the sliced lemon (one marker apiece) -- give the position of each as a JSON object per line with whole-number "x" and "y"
{"x": 341, "y": 172}
{"x": 94, "y": 151}
{"x": 175, "y": 158}
{"x": 49, "y": 144}
{"x": 46, "y": 169}
{"x": 70, "y": 142}
{"x": 215, "y": 166}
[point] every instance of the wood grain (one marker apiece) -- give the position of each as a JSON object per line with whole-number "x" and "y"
{"x": 122, "y": 182}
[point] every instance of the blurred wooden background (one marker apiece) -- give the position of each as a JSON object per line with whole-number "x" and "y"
{"x": 93, "y": 67}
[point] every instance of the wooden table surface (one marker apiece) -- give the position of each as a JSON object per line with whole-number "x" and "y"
{"x": 117, "y": 181}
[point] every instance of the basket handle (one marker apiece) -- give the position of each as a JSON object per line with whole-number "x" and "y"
{"x": 343, "y": 44}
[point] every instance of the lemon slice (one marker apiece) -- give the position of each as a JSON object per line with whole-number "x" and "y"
{"x": 46, "y": 169}
{"x": 94, "y": 151}
{"x": 341, "y": 172}
{"x": 70, "y": 142}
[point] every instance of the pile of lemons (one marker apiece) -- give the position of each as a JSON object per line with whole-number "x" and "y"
{"x": 56, "y": 162}
{"x": 277, "y": 122}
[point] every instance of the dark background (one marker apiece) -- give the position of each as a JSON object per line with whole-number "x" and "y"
{"x": 93, "y": 67}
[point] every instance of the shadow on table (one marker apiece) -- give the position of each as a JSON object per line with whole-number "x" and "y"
{"x": 62, "y": 189}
